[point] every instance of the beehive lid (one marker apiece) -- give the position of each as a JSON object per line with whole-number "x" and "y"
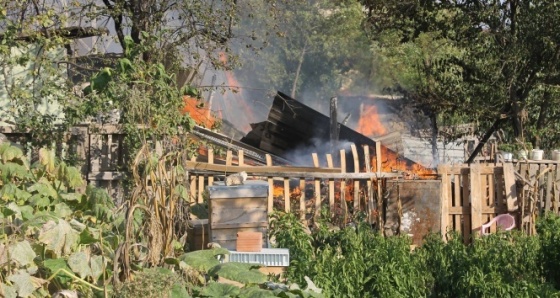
{"x": 250, "y": 189}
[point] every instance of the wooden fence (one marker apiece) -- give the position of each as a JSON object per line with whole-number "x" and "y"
{"x": 473, "y": 195}
{"x": 100, "y": 154}
{"x": 98, "y": 150}
{"x": 304, "y": 190}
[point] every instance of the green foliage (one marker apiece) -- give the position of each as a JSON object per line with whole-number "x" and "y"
{"x": 548, "y": 229}
{"x": 153, "y": 282}
{"x": 240, "y": 272}
{"x": 357, "y": 262}
{"x": 61, "y": 228}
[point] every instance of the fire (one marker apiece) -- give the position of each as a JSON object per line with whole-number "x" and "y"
{"x": 392, "y": 162}
{"x": 201, "y": 115}
{"x": 369, "y": 124}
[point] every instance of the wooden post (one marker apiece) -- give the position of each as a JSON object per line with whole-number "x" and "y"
{"x": 510, "y": 188}
{"x": 192, "y": 179}
{"x": 476, "y": 200}
{"x": 445, "y": 182}
{"x": 548, "y": 194}
{"x": 287, "y": 200}
{"x": 343, "y": 205}
{"x": 356, "y": 182}
{"x": 211, "y": 161}
{"x": 334, "y": 129}
{"x": 369, "y": 196}
{"x": 229, "y": 158}
{"x": 302, "y": 209}
{"x": 331, "y": 185}
{"x": 317, "y": 187}
{"x": 270, "y": 186}
{"x": 241, "y": 158}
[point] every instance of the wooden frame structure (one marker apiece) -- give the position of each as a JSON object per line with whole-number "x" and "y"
{"x": 474, "y": 195}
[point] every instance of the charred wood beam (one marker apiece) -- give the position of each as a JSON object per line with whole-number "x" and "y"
{"x": 335, "y": 127}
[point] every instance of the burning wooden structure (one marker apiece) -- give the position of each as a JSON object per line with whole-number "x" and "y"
{"x": 293, "y": 130}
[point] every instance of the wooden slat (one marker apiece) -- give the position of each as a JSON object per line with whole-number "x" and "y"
{"x": 302, "y": 199}
{"x": 241, "y": 158}
{"x": 194, "y": 165}
{"x": 287, "y": 200}
{"x": 229, "y": 158}
{"x": 210, "y": 161}
{"x": 510, "y": 188}
{"x": 331, "y": 184}
{"x": 270, "y": 185}
{"x": 317, "y": 183}
{"x": 542, "y": 185}
{"x": 548, "y": 190}
{"x": 556, "y": 188}
{"x": 456, "y": 197}
{"x": 342, "y": 202}
{"x": 369, "y": 188}
{"x": 476, "y": 200}
{"x": 378, "y": 160}
{"x": 192, "y": 186}
{"x": 199, "y": 197}
{"x": 465, "y": 203}
{"x": 500, "y": 192}
{"x": 445, "y": 183}
{"x": 356, "y": 160}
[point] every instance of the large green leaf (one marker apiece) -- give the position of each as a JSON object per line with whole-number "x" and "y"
{"x": 58, "y": 237}
{"x": 240, "y": 272}
{"x": 73, "y": 177}
{"x": 203, "y": 260}
{"x": 217, "y": 290}
{"x": 43, "y": 187}
{"x": 255, "y": 292}
{"x": 24, "y": 283}
{"x": 22, "y": 253}
{"x": 179, "y": 291}
{"x": 62, "y": 210}
{"x": 56, "y": 264}
{"x": 79, "y": 263}
{"x": 7, "y": 291}
{"x": 10, "y": 153}
{"x": 11, "y": 169}
{"x": 96, "y": 264}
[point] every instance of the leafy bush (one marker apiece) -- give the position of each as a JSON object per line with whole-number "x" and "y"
{"x": 548, "y": 229}
{"x": 356, "y": 262}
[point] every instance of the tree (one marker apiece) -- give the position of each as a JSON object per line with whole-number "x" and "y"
{"x": 314, "y": 49}
{"x": 508, "y": 51}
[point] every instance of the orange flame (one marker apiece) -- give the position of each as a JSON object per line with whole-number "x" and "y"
{"x": 369, "y": 123}
{"x": 201, "y": 115}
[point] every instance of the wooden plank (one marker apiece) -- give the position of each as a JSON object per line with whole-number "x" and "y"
{"x": 241, "y": 158}
{"x": 445, "y": 200}
{"x": 465, "y": 203}
{"x": 210, "y": 161}
{"x": 317, "y": 184}
{"x": 343, "y": 206}
{"x": 302, "y": 209}
{"x": 369, "y": 187}
{"x": 311, "y": 175}
{"x": 331, "y": 185}
{"x": 270, "y": 185}
{"x": 378, "y": 159}
{"x": 253, "y": 224}
{"x": 500, "y": 192}
{"x": 476, "y": 200}
{"x": 195, "y": 165}
{"x": 229, "y": 158}
{"x": 287, "y": 200}
{"x": 549, "y": 189}
{"x": 542, "y": 185}
{"x": 456, "y": 201}
{"x": 556, "y": 188}
{"x": 200, "y": 189}
{"x": 192, "y": 186}
{"x": 356, "y": 196}
{"x": 510, "y": 188}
